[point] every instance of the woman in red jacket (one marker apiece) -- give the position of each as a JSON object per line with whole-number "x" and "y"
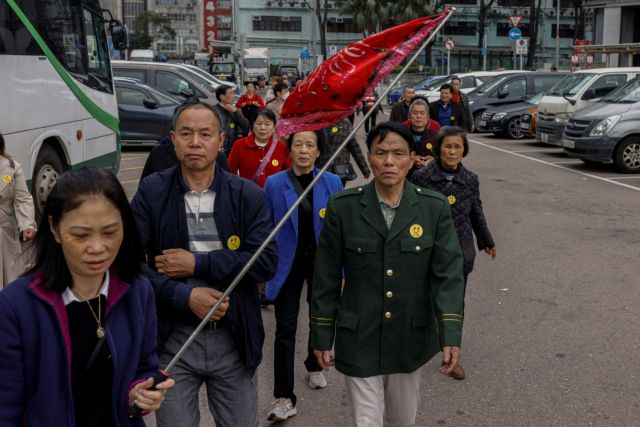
{"x": 261, "y": 154}
{"x": 250, "y": 103}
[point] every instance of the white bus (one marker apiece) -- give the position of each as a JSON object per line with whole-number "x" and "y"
{"x": 58, "y": 108}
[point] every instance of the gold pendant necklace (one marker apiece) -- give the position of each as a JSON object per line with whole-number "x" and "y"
{"x": 100, "y": 329}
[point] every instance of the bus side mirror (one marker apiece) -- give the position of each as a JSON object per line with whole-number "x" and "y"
{"x": 119, "y": 35}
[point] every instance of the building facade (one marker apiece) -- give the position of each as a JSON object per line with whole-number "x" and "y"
{"x": 616, "y": 22}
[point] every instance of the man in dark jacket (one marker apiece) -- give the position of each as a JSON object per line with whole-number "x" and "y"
{"x": 234, "y": 124}
{"x": 400, "y": 110}
{"x": 461, "y": 98}
{"x": 334, "y": 136}
{"x": 445, "y": 112}
{"x": 200, "y": 225}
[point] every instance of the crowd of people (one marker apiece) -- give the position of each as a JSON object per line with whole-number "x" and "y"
{"x": 115, "y": 288}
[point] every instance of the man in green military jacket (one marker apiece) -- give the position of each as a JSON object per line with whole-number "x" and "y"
{"x": 402, "y": 298}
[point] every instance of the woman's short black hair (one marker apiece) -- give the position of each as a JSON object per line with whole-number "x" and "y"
{"x": 382, "y": 130}
{"x": 279, "y": 87}
{"x": 267, "y": 114}
{"x": 72, "y": 189}
{"x": 320, "y": 140}
{"x": 446, "y": 131}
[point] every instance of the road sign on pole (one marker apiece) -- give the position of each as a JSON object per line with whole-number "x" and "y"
{"x": 515, "y": 20}
{"x": 449, "y": 44}
{"x": 515, "y": 34}
{"x": 575, "y": 60}
{"x": 522, "y": 46}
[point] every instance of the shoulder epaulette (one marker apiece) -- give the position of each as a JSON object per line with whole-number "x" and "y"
{"x": 349, "y": 192}
{"x": 429, "y": 193}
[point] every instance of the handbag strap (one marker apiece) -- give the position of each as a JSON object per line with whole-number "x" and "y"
{"x": 265, "y": 160}
{"x": 100, "y": 342}
{"x": 306, "y": 205}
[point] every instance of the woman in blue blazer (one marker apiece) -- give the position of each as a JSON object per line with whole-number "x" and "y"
{"x": 296, "y": 252}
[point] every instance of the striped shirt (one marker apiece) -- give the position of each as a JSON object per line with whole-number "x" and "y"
{"x": 203, "y": 234}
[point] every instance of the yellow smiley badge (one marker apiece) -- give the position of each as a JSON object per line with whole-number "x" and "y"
{"x": 275, "y": 162}
{"x": 6, "y": 179}
{"x": 452, "y": 199}
{"x": 322, "y": 212}
{"x": 233, "y": 242}
{"x": 232, "y": 125}
{"x": 334, "y": 129}
{"x": 453, "y": 118}
{"x": 416, "y": 231}
{"x": 429, "y": 146}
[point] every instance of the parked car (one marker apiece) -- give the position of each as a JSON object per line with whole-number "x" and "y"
{"x": 395, "y": 94}
{"x": 505, "y": 121}
{"x": 608, "y": 130}
{"x": 145, "y": 113}
{"x": 206, "y": 77}
{"x": 288, "y": 69}
{"x": 512, "y": 88}
{"x": 576, "y": 91}
{"x": 170, "y": 78}
{"x": 225, "y": 71}
{"x": 469, "y": 81}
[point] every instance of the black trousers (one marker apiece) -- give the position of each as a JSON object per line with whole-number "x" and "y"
{"x": 287, "y": 307}
{"x": 370, "y": 123}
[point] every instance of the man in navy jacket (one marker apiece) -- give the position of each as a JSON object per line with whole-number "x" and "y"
{"x": 200, "y": 225}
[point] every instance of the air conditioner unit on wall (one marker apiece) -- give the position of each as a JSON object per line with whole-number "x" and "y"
{"x": 256, "y": 18}
{"x": 269, "y": 4}
{"x": 551, "y": 12}
{"x": 285, "y": 19}
{"x": 339, "y": 20}
{"x": 331, "y": 5}
{"x": 525, "y": 12}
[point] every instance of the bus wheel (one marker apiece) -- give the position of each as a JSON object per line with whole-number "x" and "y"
{"x": 48, "y": 168}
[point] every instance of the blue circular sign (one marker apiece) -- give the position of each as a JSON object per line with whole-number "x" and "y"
{"x": 515, "y": 33}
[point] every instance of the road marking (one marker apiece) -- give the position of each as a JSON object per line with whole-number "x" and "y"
{"x": 568, "y": 162}
{"x": 537, "y": 151}
{"x": 625, "y": 177}
{"x": 131, "y": 169}
{"x": 610, "y": 181}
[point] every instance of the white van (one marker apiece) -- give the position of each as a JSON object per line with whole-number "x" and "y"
{"x": 469, "y": 82}
{"x": 143, "y": 55}
{"x": 572, "y": 93}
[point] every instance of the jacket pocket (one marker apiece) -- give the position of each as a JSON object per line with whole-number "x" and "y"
{"x": 361, "y": 256}
{"x": 346, "y": 347}
{"x": 415, "y": 255}
{"x": 421, "y": 329}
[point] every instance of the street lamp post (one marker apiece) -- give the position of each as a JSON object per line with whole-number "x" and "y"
{"x": 558, "y": 35}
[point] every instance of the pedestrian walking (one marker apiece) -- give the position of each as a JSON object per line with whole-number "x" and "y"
{"x": 367, "y": 105}
{"x": 262, "y": 89}
{"x": 400, "y": 110}
{"x": 424, "y": 131}
{"x": 461, "y": 98}
{"x": 261, "y": 154}
{"x": 296, "y": 243}
{"x": 445, "y": 112}
{"x": 250, "y": 103}
{"x": 281, "y": 91}
{"x": 448, "y": 176}
{"x": 199, "y": 226}
{"x": 78, "y": 331}
{"x": 17, "y": 217}
{"x": 401, "y": 302}
{"x": 234, "y": 124}
{"x": 334, "y": 136}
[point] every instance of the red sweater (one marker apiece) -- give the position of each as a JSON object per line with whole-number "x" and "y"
{"x": 246, "y": 156}
{"x": 254, "y": 100}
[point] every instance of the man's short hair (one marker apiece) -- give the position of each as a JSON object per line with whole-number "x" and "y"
{"x": 446, "y": 86}
{"x": 456, "y": 78}
{"x": 419, "y": 101}
{"x": 406, "y": 88}
{"x": 382, "y": 130}
{"x": 221, "y": 90}
{"x": 191, "y": 105}
{"x": 447, "y": 131}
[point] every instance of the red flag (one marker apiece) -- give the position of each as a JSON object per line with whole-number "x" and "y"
{"x": 331, "y": 92}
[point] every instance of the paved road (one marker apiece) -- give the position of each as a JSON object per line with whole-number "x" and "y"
{"x": 551, "y": 332}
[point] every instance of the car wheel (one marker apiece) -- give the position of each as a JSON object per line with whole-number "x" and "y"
{"x": 626, "y": 157}
{"x": 513, "y": 129}
{"x": 476, "y": 119}
{"x": 48, "y": 168}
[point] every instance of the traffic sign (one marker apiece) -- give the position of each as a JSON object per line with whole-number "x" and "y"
{"x": 589, "y": 59}
{"x": 575, "y": 59}
{"x": 333, "y": 49}
{"x": 522, "y": 46}
{"x": 449, "y": 44}
{"x": 515, "y": 20}
{"x": 515, "y": 34}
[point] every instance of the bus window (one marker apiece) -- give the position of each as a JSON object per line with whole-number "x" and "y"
{"x": 97, "y": 57}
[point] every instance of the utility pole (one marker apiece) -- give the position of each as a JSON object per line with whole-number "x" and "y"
{"x": 558, "y": 35}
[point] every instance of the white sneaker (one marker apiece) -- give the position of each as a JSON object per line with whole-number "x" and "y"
{"x": 283, "y": 408}
{"x": 317, "y": 380}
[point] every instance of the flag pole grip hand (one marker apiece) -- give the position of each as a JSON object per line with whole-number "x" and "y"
{"x": 158, "y": 377}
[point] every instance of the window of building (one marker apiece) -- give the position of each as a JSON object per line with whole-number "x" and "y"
{"x": 502, "y": 29}
{"x": 514, "y": 3}
{"x": 462, "y": 28}
{"x": 346, "y": 25}
{"x": 278, "y": 23}
{"x": 465, "y": 2}
{"x": 564, "y": 4}
{"x": 163, "y": 47}
{"x": 224, "y": 4}
{"x": 567, "y": 31}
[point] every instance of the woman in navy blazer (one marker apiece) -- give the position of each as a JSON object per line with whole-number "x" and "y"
{"x": 296, "y": 241}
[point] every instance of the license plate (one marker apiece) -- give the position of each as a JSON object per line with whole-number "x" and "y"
{"x": 544, "y": 137}
{"x": 568, "y": 144}
{"x": 482, "y": 123}
{"x": 524, "y": 126}
{"x": 222, "y": 77}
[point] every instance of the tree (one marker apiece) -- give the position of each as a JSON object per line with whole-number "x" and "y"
{"x": 149, "y": 26}
{"x": 368, "y": 14}
{"x": 484, "y": 17}
{"x": 321, "y": 10}
{"x": 534, "y": 21}
{"x": 407, "y": 10}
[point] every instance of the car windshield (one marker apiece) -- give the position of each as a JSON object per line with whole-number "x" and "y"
{"x": 571, "y": 84}
{"x": 426, "y": 82}
{"x": 490, "y": 84}
{"x": 535, "y": 100}
{"x": 255, "y": 63}
{"x": 202, "y": 73}
{"x": 223, "y": 68}
{"x": 437, "y": 83}
{"x": 627, "y": 94}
